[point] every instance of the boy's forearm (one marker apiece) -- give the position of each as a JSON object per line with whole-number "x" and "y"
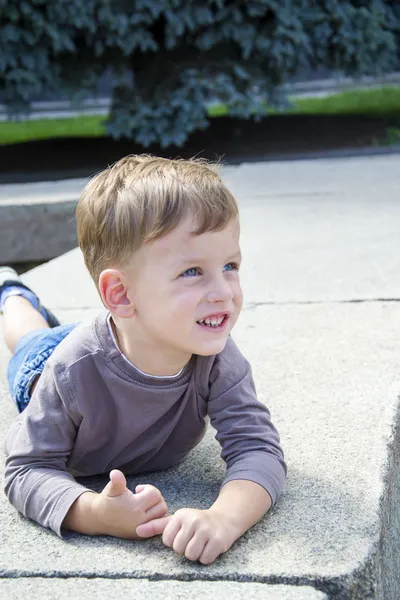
{"x": 242, "y": 503}
{"x": 81, "y": 517}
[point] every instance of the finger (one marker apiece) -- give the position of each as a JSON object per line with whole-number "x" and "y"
{"x": 149, "y": 496}
{"x": 210, "y": 553}
{"x": 152, "y": 528}
{"x": 196, "y": 546}
{"x": 117, "y": 484}
{"x": 182, "y": 538}
{"x": 157, "y": 511}
{"x": 142, "y": 486}
{"x": 171, "y": 531}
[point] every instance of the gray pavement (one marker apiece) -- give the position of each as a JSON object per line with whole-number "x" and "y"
{"x": 321, "y": 327}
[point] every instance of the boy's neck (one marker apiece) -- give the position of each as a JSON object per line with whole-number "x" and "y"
{"x": 145, "y": 358}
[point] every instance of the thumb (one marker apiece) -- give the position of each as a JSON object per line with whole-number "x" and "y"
{"x": 154, "y": 527}
{"x": 116, "y": 486}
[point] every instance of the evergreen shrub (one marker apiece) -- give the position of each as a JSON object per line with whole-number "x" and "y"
{"x": 168, "y": 59}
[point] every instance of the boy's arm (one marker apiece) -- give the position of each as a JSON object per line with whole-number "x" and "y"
{"x": 38, "y": 445}
{"x": 242, "y": 503}
{"x": 250, "y": 443}
{"x": 37, "y": 482}
{"x": 255, "y": 467}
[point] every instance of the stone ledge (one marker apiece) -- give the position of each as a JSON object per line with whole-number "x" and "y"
{"x": 93, "y": 589}
{"x": 37, "y": 232}
{"x": 37, "y": 221}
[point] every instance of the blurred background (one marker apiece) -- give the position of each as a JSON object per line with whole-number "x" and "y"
{"x": 84, "y": 83}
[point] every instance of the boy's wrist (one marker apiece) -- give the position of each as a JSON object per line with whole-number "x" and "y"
{"x": 231, "y": 524}
{"x": 241, "y": 503}
{"x": 82, "y": 516}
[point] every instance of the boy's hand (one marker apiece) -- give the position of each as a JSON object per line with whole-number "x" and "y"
{"x": 116, "y": 511}
{"x": 205, "y": 534}
{"x": 196, "y": 534}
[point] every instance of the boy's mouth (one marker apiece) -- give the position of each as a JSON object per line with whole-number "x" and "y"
{"x": 214, "y": 321}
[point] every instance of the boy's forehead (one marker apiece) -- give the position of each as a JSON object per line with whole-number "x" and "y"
{"x": 184, "y": 241}
{"x": 181, "y": 247}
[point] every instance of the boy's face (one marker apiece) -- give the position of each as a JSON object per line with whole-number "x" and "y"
{"x": 186, "y": 290}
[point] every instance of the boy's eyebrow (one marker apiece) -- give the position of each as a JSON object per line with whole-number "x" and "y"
{"x": 196, "y": 259}
{"x": 236, "y": 256}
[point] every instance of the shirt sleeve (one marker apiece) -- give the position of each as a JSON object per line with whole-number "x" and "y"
{"x": 38, "y": 446}
{"x": 249, "y": 441}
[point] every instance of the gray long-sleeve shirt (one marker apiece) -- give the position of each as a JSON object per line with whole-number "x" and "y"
{"x": 92, "y": 411}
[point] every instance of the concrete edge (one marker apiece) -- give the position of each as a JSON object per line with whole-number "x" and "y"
{"x": 357, "y": 585}
{"x": 94, "y": 588}
{"x": 388, "y": 551}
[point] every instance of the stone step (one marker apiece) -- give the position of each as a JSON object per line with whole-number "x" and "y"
{"x": 328, "y": 368}
{"x": 37, "y": 220}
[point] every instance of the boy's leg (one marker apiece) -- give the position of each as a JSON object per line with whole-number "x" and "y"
{"x": 21, "y": 308}
{"x": 19, "y": 318}
{"x": 31, "y": 332}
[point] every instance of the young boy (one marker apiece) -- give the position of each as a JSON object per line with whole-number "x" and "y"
{"x": 131, "y": 391}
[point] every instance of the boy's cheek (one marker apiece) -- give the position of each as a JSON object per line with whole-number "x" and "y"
{"x": 239, "y": 299}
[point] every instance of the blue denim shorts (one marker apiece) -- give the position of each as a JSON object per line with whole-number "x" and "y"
{"x": 29, "y": 358}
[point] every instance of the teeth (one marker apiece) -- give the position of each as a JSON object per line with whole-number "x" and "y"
{"x": 212, "y": 322}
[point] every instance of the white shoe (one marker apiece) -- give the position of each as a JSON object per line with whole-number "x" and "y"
{"x": 8, "y": 278}
{"x": 8, "y": 274}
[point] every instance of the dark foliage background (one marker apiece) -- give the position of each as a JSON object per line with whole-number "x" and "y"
{"x": 169, "y": 58}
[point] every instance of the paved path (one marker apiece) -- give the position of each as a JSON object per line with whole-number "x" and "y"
{"x": 321, "y": 326}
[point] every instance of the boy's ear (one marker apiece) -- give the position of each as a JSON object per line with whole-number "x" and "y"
{"x": 114, "y": 293}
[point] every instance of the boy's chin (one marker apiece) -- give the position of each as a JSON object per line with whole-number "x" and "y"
{"x": 211, "y": 348}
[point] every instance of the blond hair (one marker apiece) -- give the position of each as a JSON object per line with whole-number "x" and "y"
{"x": 143, "y": 197}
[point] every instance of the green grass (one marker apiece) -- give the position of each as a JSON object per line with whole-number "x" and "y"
{"x": 12, "y": 132}
{"x": 382, "y": 102}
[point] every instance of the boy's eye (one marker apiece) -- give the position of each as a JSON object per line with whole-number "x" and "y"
{"x": 192, "y": 272}
{"x": 231, "y": 267}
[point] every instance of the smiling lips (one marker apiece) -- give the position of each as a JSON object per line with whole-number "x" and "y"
{"x": 214, "y": 321}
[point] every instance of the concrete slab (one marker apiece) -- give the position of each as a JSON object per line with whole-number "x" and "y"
{"x": 48, "y": 589}
{"x": 329, "y": 381}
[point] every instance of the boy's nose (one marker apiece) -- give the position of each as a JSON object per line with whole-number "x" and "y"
{"x": 220, "y": 292}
